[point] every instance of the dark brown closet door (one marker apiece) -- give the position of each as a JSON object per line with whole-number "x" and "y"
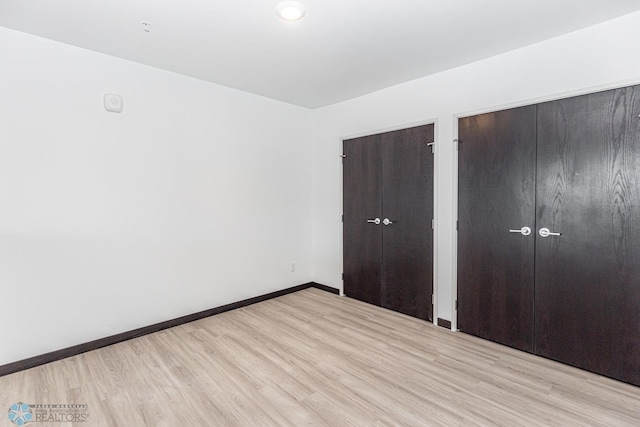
{"x": 496, "y": 170}
{"x": 588, "y": 279}
{"x": 362, "y": 240}
{"x": 407, "y": 266}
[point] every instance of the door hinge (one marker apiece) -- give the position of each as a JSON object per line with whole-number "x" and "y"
{"x": 432, "y": 299}
{"x": 433, "y": 222}
{"x": 342, "y": 218}
{"x": 456, "y": 304}
{"x": 433, "y": 146}
{"x": 457, "y": 142}
{"x": 457, "y": 225}
{"x": 342, "y": 276}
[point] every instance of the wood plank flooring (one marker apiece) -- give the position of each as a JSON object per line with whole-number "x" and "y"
{"x": 317, "y": 359}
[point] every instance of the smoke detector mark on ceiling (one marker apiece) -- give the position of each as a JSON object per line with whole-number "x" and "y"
{"x": 146, "y": 26}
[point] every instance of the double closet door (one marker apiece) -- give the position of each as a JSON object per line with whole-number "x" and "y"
{"x": 549, "y": 230}
{"x": 388, "y": 211}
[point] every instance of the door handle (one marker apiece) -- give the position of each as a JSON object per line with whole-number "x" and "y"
{"x": 525, "y": 231}
{"x": 387, "y": 222}
{"x": 544, "y": 232}
{"x": 374, "y": 221}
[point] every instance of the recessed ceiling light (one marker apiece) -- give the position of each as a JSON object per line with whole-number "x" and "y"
{"x": 290, "y": 10}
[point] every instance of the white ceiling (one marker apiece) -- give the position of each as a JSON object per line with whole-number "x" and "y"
{"x": 340, "y": 50}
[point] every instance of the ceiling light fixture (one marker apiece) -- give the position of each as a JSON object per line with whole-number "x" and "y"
{"x": 290, "y": 10}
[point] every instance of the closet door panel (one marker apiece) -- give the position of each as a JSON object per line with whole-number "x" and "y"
{"x": 588, "y": 189}
{"x": 407, "y": 271}
{"x": 362, "y": 192}
{"x": 496, "y": 169}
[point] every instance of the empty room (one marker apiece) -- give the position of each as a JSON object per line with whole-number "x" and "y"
{"x": 320, "y": 213}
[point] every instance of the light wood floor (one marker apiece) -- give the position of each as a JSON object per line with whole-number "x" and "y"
{"x": 314, "y": 358}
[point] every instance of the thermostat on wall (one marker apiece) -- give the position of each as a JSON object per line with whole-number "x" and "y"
{"x": 113, "y": 103}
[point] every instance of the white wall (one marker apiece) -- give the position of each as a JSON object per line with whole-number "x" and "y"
{"x": 195, "y": 196}
{"x": 601, "y": 56}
